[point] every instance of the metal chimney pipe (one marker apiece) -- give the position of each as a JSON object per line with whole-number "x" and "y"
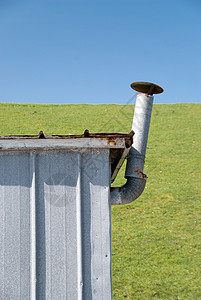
{"x": 136, "y": 179}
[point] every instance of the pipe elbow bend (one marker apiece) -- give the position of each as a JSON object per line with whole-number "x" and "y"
{"x": 129, "y": 192}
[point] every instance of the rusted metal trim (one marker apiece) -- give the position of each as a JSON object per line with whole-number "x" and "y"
{"x": 110, "y": 137}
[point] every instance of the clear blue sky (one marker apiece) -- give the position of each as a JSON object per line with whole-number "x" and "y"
{"x": 90, "y": 51}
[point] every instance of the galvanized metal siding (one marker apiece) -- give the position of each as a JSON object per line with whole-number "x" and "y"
{"x": 96, "y": 226}
{"x": 15, "y": 183}
{"x": 57, "y": 234}
{"x": 55, "y": 238}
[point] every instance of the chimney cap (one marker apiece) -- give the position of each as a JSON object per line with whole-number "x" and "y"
{"x": 148, "y": 88}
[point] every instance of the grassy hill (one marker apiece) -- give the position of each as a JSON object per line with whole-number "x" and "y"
{"x": 156, "y": 239}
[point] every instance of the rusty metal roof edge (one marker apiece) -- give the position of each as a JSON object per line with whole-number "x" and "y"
{"x": 104, "y": 140}
{"x": 128, "y": 137}
{"x": 86, "y": 134}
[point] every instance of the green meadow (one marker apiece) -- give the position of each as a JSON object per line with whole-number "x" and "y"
{"x": 156, "y": 240}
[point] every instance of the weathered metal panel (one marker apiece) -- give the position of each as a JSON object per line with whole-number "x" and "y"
{"x": 57, "y": 225}
{"x": 96, "y": 229}
{"x": 25, "y": 144}
{"x": 15, "y": 260}
{"x": 55, "y": 240}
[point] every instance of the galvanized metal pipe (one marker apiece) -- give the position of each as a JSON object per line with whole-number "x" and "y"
{"x": 141, "y": 122}
{"x": 136, "y": 180}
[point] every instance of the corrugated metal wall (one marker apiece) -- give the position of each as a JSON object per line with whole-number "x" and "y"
{"x": 55, "y": 228}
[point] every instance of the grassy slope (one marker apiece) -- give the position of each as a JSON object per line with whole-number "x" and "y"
{"x": 156, "y": 239}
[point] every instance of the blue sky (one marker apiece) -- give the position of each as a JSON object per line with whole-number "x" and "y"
{"x": 90, "y": 51}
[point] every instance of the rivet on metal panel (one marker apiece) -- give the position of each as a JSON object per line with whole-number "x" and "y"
{"x": 86, "y": 133}
{"x": 41, "y": 135}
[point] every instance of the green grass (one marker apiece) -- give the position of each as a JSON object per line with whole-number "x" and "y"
{"x": 156, "y": 239}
